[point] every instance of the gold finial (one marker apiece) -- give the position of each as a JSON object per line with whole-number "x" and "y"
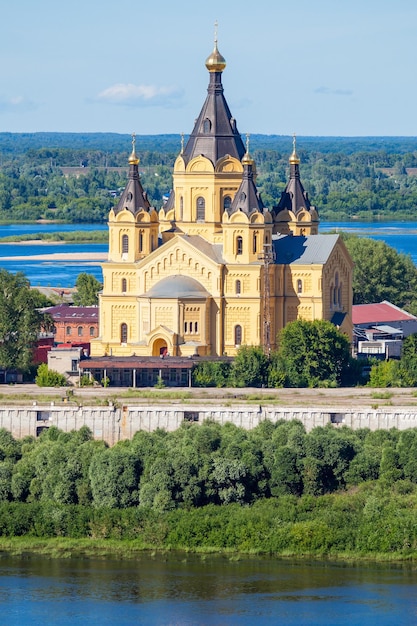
{"x": 182, "y": 143}
{"x": 247, "y": 157}
{"x": 215, "y": 62}
{"x": 294, "y": 157}
{"x": 133, "y": 159}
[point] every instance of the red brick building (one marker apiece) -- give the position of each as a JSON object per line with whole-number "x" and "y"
{"x": 74, "y": 324}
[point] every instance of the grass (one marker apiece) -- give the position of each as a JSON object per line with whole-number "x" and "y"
{"x": 381, "y": 395}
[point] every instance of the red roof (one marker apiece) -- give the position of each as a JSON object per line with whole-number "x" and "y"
{"x": 379, "y": 313}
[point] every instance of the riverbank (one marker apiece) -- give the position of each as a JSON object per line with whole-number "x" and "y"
{"x": 374, "y": 522}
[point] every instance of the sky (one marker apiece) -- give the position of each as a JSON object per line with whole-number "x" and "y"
{"x": 323, "y": 68}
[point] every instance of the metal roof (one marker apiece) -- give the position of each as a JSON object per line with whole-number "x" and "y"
{"x": 177, "y": 286}
{"x": 303, "y": 250}
{"x": 379, "y": 313}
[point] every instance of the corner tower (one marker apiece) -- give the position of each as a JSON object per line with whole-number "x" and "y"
{"x": 208, "y": 171}
{"x": 133, "y": 223}
{"x": 294, "y": 213}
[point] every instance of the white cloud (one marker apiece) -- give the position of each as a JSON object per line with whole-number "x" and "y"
{"x": 141, "y": 95}
{"x": 326, "y": 91}
{"x": 16, "y": 104}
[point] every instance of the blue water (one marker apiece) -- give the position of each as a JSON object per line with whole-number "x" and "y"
{"x": 400, "y": 235}
{"x": 186, "y": 590}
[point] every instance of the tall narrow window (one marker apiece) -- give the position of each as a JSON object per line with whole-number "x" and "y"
{"x": 196, "y": 327}
{"x": 80, "y": 331}
{"x": 201, "y": 209}
{"x": 185, "y": 327}
{"x": 123, "y": 333}
{"x": 124, "y": 285}
{"x": 255, "y": 243}
{"x": 299, "y": 286}
{"x": 92, "y": 331}
{"x": 69, "y": 330}
{"x": 141, "y": 241}
{"x": 206, "y": 126}
{"x": 181, "y": 208}
{"x": 125, "y": 244}
{"x": 238, "y": 335}
{"x": 239, "y": 245}
{"x": 238, "y": 287}
{"x": 227, "y": 203}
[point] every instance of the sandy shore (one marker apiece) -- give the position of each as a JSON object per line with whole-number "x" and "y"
{"x": 69, "y": 256}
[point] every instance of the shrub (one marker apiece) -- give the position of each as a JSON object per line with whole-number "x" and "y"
{"x": 49, "y": 378}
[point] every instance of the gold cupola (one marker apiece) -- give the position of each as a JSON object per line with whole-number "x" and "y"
{"x": 133, "y": 159}
{"x": 294, "y": 159}
{"x": 215, "y": 62}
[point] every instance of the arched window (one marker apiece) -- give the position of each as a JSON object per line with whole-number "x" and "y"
{"x": 201, "y": 209}
{"x": 92, "y": 331}
{"x": 196, "y": 327}
{"x": 239, "y": 245}
{"x": 206, "y": 126}
{"x": 238, "y": 335}
{"x": 185, "y": 327}
{"x": 336, "y": 289}
{"x": 238, "y": 287}
{"x": 125, "y": 244}
{"x": 141, "y": 241}
{"x": 123, "y": 333}
{"x": 80, "y": 331}
{"x": 69, "y": 330}
{"x": 181, "y": 207}
{"x": 299, "y": 286}
{"x": 255, "y": 243}
{"x": 227, "y": 203}
{"x": 124, "y": 285}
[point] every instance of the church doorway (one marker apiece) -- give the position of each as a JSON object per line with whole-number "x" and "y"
{"x": 160, "y": 348}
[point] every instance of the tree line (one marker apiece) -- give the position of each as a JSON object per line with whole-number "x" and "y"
{"x": 202, "y": 464}
{"x": 366, "y": 178}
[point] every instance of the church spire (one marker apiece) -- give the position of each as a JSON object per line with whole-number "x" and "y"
{"x": 134, "y": 197}
{"x": 215, "y": 133}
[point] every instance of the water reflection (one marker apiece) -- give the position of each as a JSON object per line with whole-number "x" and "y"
{"x": 215, "y": 590}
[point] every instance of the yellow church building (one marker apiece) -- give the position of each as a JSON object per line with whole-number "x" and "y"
{"x": 214, "y": 269}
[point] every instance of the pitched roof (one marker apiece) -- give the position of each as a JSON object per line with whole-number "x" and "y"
{"x": 379, "y": 313}
{"x": 67, "y": 313}
{"x": 303, "y": 250}
{"x": 215, "y": 133}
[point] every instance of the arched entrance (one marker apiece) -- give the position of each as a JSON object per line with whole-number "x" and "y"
{"x": 160, "y": 347}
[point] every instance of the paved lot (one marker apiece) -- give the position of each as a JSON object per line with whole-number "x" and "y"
{"x": 346, "y": 397}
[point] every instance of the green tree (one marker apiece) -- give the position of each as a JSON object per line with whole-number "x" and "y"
{"x": 250, "y": 367}
{"x": 87, "y": 290}
{"x": 381, "y": 273}
{"x": 49, "y": 378}
{"x": 20, "y": 322}
{"x": 313, "y": 354}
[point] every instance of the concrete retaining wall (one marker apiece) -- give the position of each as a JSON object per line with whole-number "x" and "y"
{"x": 113, "y": 424}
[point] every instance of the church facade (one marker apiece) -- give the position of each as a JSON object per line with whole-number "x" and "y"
{"x": 214, "y": 269}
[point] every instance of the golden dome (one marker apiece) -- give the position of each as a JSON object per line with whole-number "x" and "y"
{"x": 294, "y": 159}
{"x": 247, "y": 159}
{"x": 133, "y": 159}
{"x": 215, "y": 62}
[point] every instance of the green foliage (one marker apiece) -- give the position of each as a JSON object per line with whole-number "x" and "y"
{"x": 381, "y": 273}
{"x": 20, "y": 322}
{"x": 250, "y": 367}
{"x": 386, "y": 374}
{"x": 88, "y": 288}
{"x": 49, "y": 378}
{"x": 312, "y": 354}
{"x": 211, "y": 374}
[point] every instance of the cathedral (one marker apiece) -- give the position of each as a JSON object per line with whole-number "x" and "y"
{"x": 215, "y": 269}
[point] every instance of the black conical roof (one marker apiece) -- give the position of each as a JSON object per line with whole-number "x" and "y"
{"x": 294, "y": 198}
{"x": 215, "y": 133}
{"x": 247, "y": 198}
{"x": 133, "y": 198}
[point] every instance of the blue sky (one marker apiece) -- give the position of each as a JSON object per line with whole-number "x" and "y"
{"x": 340, "y": 68}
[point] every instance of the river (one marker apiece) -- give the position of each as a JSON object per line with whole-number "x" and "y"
{"x": 400, "y": 235}
{"x": 187, "y": 590}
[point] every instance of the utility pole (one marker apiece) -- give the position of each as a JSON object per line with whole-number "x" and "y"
{"x": 267, "y": 257}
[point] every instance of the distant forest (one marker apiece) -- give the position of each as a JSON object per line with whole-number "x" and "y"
{"x": 76, "y": 177}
